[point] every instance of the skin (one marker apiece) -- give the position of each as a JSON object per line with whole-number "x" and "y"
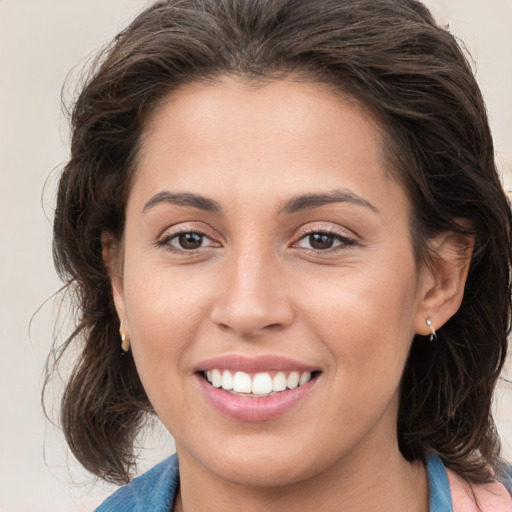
{"x": 256, "y": 286}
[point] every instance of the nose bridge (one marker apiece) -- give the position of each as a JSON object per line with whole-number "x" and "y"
{"x": 253, "y": 298}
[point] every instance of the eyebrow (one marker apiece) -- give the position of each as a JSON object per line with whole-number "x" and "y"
{"x": 293, "y": 205}
{"x": 183, "y": 199}
{"x": 308, "y": 201}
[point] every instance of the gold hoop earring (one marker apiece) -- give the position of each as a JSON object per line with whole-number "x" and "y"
{"x": 125, "y": 339}
{"x": 433, "y": 335}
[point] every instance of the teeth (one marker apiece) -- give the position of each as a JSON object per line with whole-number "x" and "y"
{"x": 262, "y": 384}
{"x": 259, "y": 384}
{"x": 293, "y": 380}
{"x": 242, "y": 382}
{"x": 216, "y": 378}
{"x": 304, "y": 377}
{"x": 279, "y": 382}
{"x": 227, "y": 380}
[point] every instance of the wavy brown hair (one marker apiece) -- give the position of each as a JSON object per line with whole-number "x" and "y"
{"x": 411, "y": 74}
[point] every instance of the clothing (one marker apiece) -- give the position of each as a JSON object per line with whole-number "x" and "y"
{"x": 155, "y": 490}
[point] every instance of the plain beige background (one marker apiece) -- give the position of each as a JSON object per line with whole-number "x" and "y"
{"x": 40, "y": 42}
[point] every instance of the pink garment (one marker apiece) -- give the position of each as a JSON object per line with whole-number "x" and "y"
{"x": 492, "y": 497}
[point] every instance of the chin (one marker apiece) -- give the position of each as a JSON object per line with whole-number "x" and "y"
{"x": 263, "y": 475}
{"x": 259, "y": 467}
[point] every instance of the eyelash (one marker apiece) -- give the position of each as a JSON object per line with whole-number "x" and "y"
{"x": 345, "y": 241}
{"x": 167, "y": 239}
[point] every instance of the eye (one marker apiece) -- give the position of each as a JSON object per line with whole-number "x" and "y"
{"x": 323, "y": 241}
{"x": 186, "y": 241}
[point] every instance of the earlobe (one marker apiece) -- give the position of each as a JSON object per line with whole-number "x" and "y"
{"x": 125, "y": 338}
{"x": 444, "y": 281}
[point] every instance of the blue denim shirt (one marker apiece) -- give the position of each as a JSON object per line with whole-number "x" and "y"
{"x": 155, "y": 490}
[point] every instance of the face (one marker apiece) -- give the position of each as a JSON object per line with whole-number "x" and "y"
{"x": 266, "y": 244}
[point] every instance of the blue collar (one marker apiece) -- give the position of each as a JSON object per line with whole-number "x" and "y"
{"x": 440, "y": 496}
{"x": 156, "y": 489}
{"x": 153, "y": 491}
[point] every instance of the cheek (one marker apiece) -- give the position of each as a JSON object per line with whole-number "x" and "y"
{"x": 374, "y": 302}
{"x": 366, "y": 321}
{"x": 164, "y": 309}
{"x": 164, "y": 315}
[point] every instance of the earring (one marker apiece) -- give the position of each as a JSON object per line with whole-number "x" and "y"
{"x": 125, "y": 340}
{"x": 433, "y": 335}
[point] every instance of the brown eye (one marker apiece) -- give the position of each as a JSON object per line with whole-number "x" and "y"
{"x": 189, "y": 241}
{"x": 321, "y": 241}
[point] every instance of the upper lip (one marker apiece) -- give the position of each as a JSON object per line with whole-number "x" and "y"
{"x": 257, "y": 364}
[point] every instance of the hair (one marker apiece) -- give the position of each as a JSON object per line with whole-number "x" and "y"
{"x": 391, "y": 57}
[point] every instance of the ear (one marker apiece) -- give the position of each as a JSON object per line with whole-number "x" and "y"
{"x": 443, "y": 280}
{"x": 112, "y": 259}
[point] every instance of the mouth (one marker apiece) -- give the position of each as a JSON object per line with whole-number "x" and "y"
{"x": 253, "y": 389}
{"x": 257, "y": 385}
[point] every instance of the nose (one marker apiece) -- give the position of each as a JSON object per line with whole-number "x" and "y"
{"x": 252, "y": 299}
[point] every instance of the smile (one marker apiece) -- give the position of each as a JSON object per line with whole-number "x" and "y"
{"x": 256, "y": 384}
{"x": 256, "y": 389}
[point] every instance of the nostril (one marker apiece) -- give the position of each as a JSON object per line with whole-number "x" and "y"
{"x": 249, "y": 309}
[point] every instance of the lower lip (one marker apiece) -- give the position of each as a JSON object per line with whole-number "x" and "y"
{"x": 253, "y": 408}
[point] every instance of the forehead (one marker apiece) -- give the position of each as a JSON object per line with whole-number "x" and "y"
{"x": 294, "y": 108}
{"x": 236, "y": 136}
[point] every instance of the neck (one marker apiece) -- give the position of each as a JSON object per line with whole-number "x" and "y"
{"x": 385, "y": 483}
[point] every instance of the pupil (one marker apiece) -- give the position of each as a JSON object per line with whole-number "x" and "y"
{"x": 321, "y": 241}
{"x": 190, "y": 240}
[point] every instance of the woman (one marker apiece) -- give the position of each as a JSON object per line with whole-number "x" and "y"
{"x": 289, "y": 241}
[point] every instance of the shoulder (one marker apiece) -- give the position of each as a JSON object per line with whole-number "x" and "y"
{"x": 154, "y": 490}
{"x": 490, "y": 497}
